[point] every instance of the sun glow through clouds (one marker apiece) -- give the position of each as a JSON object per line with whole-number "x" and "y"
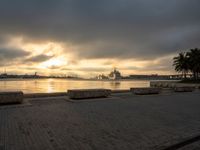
{"x": 54, "y": 63}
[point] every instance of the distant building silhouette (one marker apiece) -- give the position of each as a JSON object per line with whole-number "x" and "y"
{"x": 102, "y": 76}
{"x": 115, "y": 74}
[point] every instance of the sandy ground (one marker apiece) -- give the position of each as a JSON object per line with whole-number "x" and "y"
{"x": 122, "y": 122}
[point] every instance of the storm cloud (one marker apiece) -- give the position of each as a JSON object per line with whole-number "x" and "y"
{"x": 120, "y": 29}
{"x": 130, "y": 26}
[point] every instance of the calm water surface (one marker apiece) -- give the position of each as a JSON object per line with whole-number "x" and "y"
{"x": 62, "y": 85}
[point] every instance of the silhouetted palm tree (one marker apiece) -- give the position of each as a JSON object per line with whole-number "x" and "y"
{"x": 181, "y": 64}
{"x": 194, "y": 61}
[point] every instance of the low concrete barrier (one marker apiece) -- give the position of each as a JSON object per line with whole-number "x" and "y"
{"x": 145, "y": 91}
{"x": 40, "y": 95}
{"x": 88, "y": 93}
{"x": 184, "y": 89}
{"x": 163, "y": 84}
{"x": 11, "y": 97}
{"x": 120, "y": 91}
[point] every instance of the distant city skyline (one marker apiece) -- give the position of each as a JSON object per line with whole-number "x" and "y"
{"x": 91, "y": 37}
{"x": 113, "y": 75}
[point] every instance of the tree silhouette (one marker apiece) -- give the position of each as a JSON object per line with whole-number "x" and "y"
{"x": 194, "y": 62}
{"x": 181, "y": 63}
{"x": 188, "y": 62}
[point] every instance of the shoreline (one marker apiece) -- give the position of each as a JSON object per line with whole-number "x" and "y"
{"x": 82, "y": 79}
{"x": 60, "y": 94}
{"x": 164, "y": 85}
{"x": 57, "y": 94}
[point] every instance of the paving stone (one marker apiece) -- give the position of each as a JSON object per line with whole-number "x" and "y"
{"x": 123, "y": 122}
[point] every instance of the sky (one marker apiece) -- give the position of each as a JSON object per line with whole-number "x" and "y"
{"x": 90, "y": 37}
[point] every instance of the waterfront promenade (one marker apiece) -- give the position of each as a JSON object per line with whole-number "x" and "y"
{"x": 121, "y": 122}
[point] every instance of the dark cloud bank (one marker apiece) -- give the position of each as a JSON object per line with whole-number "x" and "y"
{"x": 142, "y": 29}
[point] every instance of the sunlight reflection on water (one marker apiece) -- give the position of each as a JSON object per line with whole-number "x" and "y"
{"x": 62, "y": 85}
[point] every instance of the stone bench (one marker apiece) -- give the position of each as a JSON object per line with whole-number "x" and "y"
{"x": 145, "y": 91}
{"x": 11, "y": 97}
{"x": 88, "y": 93}
{"x": 184, "y": 89}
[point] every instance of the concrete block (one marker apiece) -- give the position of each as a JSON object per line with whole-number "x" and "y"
{"x": 145, "y": 91}
{"x": 153, "y": 84}
{"x": 120, "y": 91}
{"x": 184, "y": 89}
{"x": 11, "y": 97}
{"x": 40, "y": 95}
{"x": 88, "y": 93}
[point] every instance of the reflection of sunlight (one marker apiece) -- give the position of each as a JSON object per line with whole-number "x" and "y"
{"x": 50, "y": 88}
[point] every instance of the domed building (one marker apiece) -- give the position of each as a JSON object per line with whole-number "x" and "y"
{"x": 115, "y": 74}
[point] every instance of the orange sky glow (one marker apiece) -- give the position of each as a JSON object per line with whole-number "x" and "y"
{"x": 61, "y": 60}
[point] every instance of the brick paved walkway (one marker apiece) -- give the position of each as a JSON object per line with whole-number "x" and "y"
{"x": 123, "y": 122}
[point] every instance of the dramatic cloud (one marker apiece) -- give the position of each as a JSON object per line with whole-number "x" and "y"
{"x": 38, "y": 58}
{"x": 106, "y": 29}
{"x": 8, "y": 54}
